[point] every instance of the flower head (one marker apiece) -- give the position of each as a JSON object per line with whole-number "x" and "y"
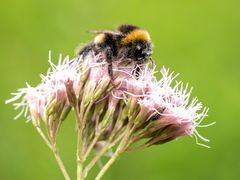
{"x": 158, "y": 110}
{"x": 165, "y": 105}
{"x": 52, "y": 89}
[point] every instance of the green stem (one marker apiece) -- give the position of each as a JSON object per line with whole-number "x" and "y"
{"x": 43, "y": 137}
{"x": 99, "y": 132}
{"x": 60, "y": 163}
{"x": 79, "y": 146}
{"x": 108, "y": 146}
{"x": 92, "y": 145}
{"x": 79, "y": 157}
{"x": 55, "y": 151}
{"x": 108, "y": 164}
{"x": 121, "y": 148}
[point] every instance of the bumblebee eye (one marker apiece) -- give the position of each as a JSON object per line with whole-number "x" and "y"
{"x": 138, "y": 47}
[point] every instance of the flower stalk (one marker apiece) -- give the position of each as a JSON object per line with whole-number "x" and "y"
{"x": 55, "y": 151}
{"x": 119, "y": 112}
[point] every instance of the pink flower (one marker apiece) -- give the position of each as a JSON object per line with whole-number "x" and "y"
{"x": 55, "y": 81}
{"x": 36, "y": 102}
{"x": 53, "y": 87}
{"x": 171, "y": 103}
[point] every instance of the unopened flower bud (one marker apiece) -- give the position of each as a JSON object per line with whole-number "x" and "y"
{"x": 101, "y": 88}
{"x": 70, "y": 93}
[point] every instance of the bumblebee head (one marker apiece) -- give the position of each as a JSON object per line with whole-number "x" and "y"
{"x": 136, "y": 44}
{"x": 100, "y": 38}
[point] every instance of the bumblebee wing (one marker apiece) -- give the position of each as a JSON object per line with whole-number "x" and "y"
{"x": 104, "y": 32}
{"x": 127, "y": 28}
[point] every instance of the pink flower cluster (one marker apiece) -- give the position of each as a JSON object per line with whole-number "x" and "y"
{"x": 52, "y": 89}
{"x": 161, "y": 110}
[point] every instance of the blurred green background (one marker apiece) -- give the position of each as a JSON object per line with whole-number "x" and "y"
{"x": 199, "y": 39}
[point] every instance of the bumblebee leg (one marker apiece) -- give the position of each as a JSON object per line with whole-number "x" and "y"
{"x": 136, "y": 71}
{"x": 109, "y": 59}
{"x": 85, "y": 50}
{"x": 110, "y": 71}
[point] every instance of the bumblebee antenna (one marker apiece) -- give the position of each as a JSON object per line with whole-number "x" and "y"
{"x": 152, "y": 62}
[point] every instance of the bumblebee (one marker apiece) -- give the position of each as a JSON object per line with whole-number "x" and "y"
{"x": 128, "y": 42}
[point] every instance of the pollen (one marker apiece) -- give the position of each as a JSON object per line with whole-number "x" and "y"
{"x": 136, "y": 35}
{"x": 99, "y": 38}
